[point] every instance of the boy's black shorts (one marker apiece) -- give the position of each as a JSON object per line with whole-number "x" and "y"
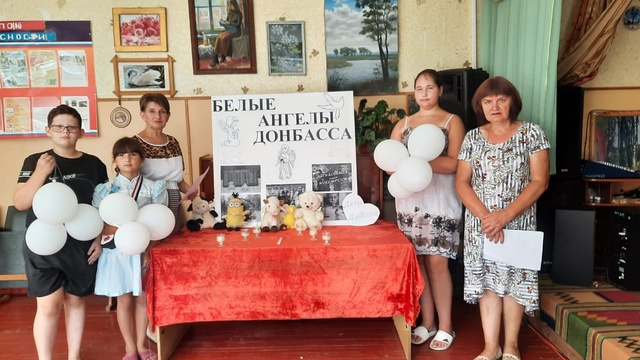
{"x": 67, "y": 268}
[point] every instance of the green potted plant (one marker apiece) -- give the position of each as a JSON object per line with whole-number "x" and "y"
{"x": 374, "y": 124}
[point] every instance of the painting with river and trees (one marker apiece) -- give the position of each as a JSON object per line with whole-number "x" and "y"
{"x": 362, "y": 46}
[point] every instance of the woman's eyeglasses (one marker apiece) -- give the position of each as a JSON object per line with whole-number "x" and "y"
{"x": 70, "y": 128}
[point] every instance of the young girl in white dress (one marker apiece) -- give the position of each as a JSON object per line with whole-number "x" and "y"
{"x": 431, "y": 218}
{"x": 120, "y": 275}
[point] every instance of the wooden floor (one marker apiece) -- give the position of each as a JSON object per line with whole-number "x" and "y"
{"x": 294, "y": 339}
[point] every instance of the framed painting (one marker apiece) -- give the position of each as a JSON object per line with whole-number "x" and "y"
{"x": 362, "y": 51}
{"x": 222, "y": 36}
{"x": 286, "y": 48}
{"x": 140, "y": 29}
{"x": 137, "y": 76}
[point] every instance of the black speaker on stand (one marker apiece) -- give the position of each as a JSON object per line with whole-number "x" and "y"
{"x": 565, "y": 189}
{"x": 564, "y": 194}
{"x": 459, "y": 87}
{"x": 573, "y": 252}
{"x": 569, "y": 110}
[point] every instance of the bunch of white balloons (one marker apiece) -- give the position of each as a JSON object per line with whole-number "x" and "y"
{"x": 410, "y": 165}
{"x": 58, "y": 213}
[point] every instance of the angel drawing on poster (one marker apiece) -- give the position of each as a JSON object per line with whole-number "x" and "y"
{"x": 286, "y": 158}
{"x": 230, "y": 126}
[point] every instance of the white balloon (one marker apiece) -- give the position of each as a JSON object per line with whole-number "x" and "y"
{"x": 158, "y": 219}
{"x": 44, "y": 238}
{"x": 395, "y": 189}
{"x": 426, "y": 141}
{"x": 132, "y": 238}
{"x": 414, "y": 174}
{"x": 389, "y": 153}
{"x": 55, "y": 203}
{"x": 86, "y": 224}
{"x": 117, "y": 209}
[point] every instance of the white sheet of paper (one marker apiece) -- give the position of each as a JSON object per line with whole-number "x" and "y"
{"x": 521, "y": 249}
{"x": 195, "y": 186}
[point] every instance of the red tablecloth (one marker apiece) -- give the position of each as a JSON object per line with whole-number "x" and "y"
{"x": 365, "y": 272}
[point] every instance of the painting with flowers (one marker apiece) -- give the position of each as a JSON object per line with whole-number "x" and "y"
{"x": 140, "y": 29}
{"x": 286, "y": 48}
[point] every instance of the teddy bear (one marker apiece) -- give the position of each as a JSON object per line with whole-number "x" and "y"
{"x": 203, "y": 215}
{"x": 309, "y": 215}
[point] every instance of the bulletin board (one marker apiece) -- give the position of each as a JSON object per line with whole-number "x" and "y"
{"x": 44, "y": 64}
{"x": 283, "y": 145}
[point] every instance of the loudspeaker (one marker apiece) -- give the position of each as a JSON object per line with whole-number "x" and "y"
{"x": 573, "y": 247}
{"x": 459, "y": 87}
{"x": 563, "y": 194}
{"x": 624, "y": 268}
{"x": 569, "y": 105}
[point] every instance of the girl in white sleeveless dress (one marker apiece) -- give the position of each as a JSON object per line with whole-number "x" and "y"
{"x": 431, "y": 219}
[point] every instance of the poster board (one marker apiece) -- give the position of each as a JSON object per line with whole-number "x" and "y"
{"x": 283, "y": 145}
{"x": 44, "y": 64}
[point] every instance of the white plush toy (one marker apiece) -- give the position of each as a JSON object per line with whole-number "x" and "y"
{"x": 271, "y": 218}
{"x": 309, "y": 215}
{"x": 203, "y": 215}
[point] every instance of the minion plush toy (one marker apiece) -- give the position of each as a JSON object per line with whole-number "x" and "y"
{"x": 235, "y": 213}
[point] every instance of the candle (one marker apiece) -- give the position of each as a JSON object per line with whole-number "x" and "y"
{"x": 313, "y": 233}
{"x": 326, "y": 236}
{"x": 220, "y": 239}
{"x": 257, "y": 230}
{"x": 245, "y": 234}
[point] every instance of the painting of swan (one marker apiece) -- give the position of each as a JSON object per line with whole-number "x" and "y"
{"x": 144, "y": 77}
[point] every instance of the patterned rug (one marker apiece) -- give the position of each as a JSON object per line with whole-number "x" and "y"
{"x": 600, "y": 322}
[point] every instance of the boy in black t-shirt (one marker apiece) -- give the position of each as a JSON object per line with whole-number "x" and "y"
{"x": 64, "y": 278}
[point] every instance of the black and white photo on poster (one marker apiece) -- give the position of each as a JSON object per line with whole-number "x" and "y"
{"x": 288, "y": 193}
{"x": 240, "y": 178}
{"x": 332, "y": 177}
{"x": 332, "y": 205}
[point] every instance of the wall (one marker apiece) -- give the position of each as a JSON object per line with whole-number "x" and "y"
{"x": 432, "y": 34}
{"x": 620, "y": 67}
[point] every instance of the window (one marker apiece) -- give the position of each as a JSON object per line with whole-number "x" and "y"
{"x": 209, "y": 13}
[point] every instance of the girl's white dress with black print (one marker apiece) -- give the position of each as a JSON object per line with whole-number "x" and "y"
{"x": 431, "y": 218}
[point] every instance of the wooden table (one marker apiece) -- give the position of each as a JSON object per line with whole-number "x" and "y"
{"x": 365, "y": 272}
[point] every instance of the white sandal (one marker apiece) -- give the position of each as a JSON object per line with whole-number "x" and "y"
{"x": 443, "y": 337}
{"x": 422, "y": 333}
